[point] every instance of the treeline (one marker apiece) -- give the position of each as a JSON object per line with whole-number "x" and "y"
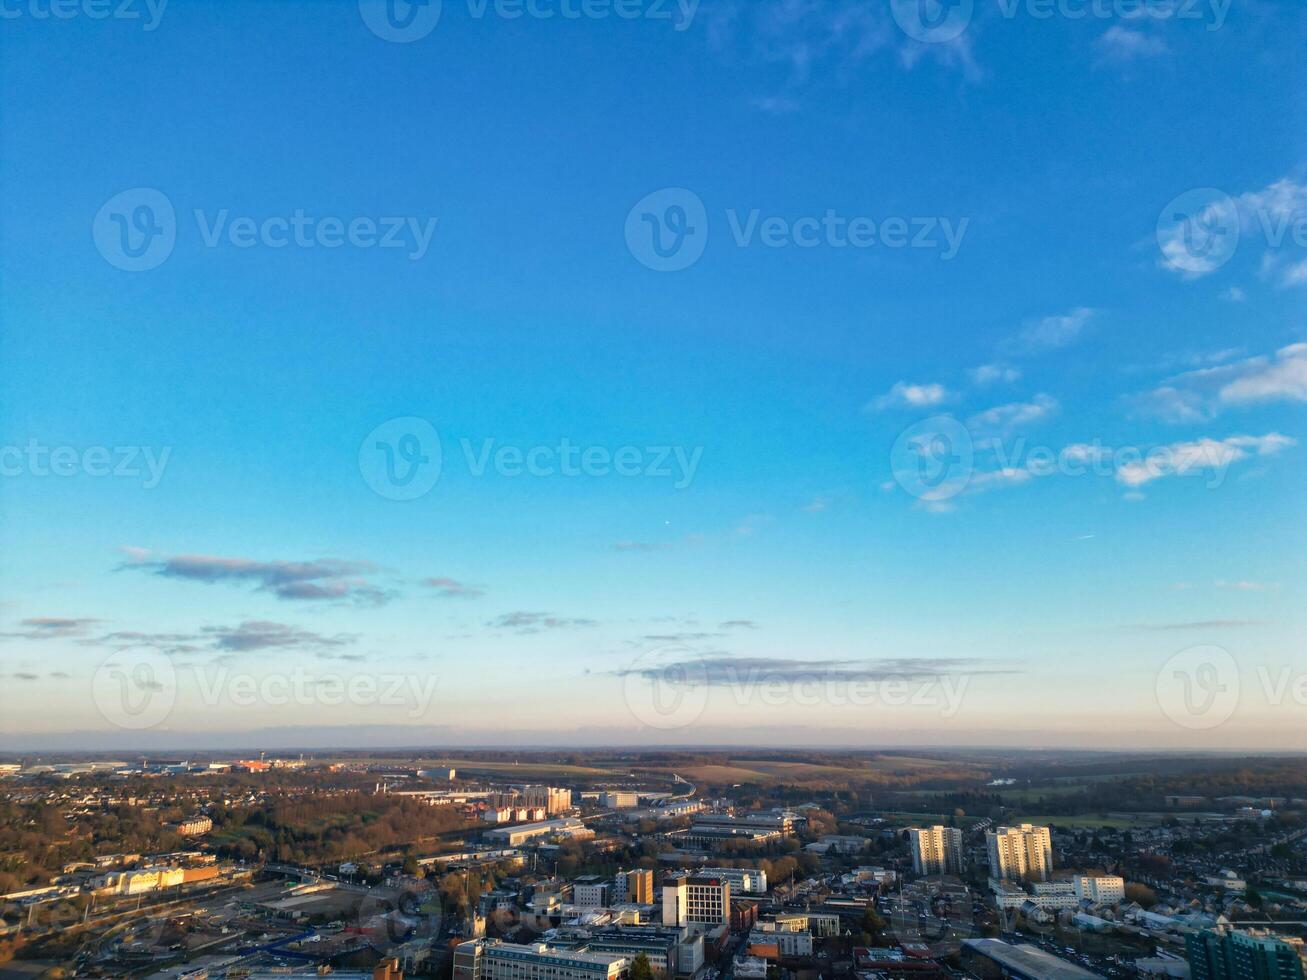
{"x": 37, "y": 840}
{"x": 318, "y": 829}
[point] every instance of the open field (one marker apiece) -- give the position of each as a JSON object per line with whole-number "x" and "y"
{"x": 1091, "y": 821}
{"x": 871, "y": 769}
{"x": 525, "y": 769}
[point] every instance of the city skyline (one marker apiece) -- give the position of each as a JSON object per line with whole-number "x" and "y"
{"x": 762, "y": 375}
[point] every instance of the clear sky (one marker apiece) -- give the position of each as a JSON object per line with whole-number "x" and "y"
{"x": 973, "y": 364}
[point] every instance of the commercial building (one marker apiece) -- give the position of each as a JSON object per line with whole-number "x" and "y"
{"x": 697, "y": 903}
{"x": 744, "y": 881}
{"x": 491, "y": 959}
{"x": 820, "y": 924}
{"x": 841, "y": 844}
{"x": 1100, "y": 889}
{"x": 1023, "y": 853}
{"x": 936, "y": 850}
{"x": 668, "y": 955}
{"x": 1019, "y": 961}
{"x": 140, "y": 881}
{"x": 769, "y": 942}
{"x": 591, "y": 892}
{"x": 620, "y": 799}
{"x": 1230, "y": 955}
{"x": 634, "y": 886}
{"x": 778, "y": 821}
{"x": 563, "y": 827}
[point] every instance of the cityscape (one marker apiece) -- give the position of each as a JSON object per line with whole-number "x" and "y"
{"x": 670, "y": 864}
{"x": 653, "y": 489}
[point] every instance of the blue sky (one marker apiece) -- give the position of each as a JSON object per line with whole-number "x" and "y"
{"x": 1068, "y": 153}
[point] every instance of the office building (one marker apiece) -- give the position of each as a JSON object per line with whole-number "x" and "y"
{"x": 1100, "y": 889}
{"x": 697, "y": 903}
{"x": 744, "y": 881}
{"x": 778, "y": 821}
{"x": 1023, "y": 853}
{"x": 591, "y": 892}
{"x": 491, "y": 959}
{"x": 936, "y": 850}
{"x": 619, "y": 799}
{"x": 635, "y": 886}
{"x": 1231, "y": 955}
{"x": 663, "y": 947}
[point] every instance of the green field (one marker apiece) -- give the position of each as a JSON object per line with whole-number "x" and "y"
{"x": 871, "y": 769}
{"x": 1091, "y": 821}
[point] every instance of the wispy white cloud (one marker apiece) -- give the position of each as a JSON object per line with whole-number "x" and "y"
{"x": 1200, "y": 395}
{"x": 1051, "y": 332}
{"x": 1198, "y": 456}
{"x": 988, "y": 374}
{"x": 1122, "y": 44}
{"x": 1013, "y": 415}
{"x": 905, "y": 394}
{"x": 1197, "y": 244}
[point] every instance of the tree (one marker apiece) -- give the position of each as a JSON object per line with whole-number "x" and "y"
{"x": 1145, "y": 896}
{"x": 872, "y": 924}
{"x": 640, "y": 968}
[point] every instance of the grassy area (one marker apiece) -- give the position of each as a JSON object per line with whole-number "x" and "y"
{"x": 723, "y": 774}
{"x": 1031, "y": 794}
{"x": 867, "y": 770}
{"x": 531, "y": 769}
{"x": 1091, "y": 821}
{"x": 903, "y": 816}
{"x": 479, "y": 765}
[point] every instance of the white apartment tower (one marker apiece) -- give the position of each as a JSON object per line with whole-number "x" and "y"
{"x": 936, "y": 850}
{"x": 1023, "y": 853}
